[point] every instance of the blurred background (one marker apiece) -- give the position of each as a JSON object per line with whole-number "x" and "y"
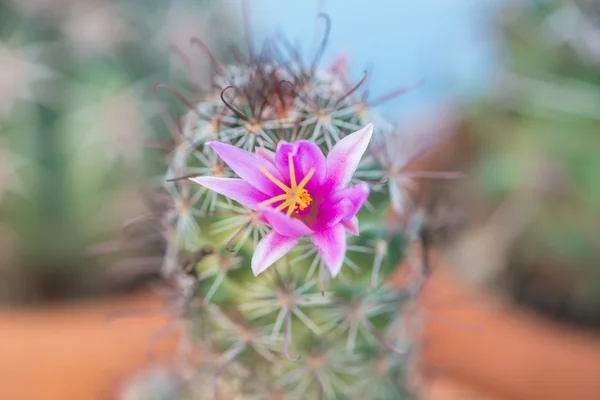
{"x": 517, "y": 81}
{"x": 78, "y": 106}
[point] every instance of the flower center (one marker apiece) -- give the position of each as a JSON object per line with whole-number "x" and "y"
{"x": 295, "y": 197}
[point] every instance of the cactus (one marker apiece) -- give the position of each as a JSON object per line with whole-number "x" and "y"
{"x": 301, "y": 327}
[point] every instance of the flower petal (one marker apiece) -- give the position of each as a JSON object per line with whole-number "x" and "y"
{"x": 331, "y": 213}
{"x": 345, "y": 155}
{"x": 356, "y": 195}
{"x": 351, "y": 225}
{"x": 265, "y": 154}
{"x": 284, "y": 225}
{"x": 246, "y": 165}
{"x": 271, "y": 248}
{"x": 259, "y": 219}
{"x": 235, "y": 189}
{"x": 306, "y": 156}
{"x": 331, "y": 244}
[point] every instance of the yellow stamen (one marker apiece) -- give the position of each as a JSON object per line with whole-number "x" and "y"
{"x": 275, "y": 199}
{"x": 282, "y": 206}
{"x": 274, "y": 180}
{"x": 304, "y": 198}
{"x": 292, "y": 171}
{"x": 307, "y": 178}
{"x": 295, "y": 198}
{"x": 290, "y": 210}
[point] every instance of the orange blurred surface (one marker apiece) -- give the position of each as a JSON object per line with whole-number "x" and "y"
{"x": 454, "y": 389}
{"x": 501, "y": 350}
{"x": 71, "y": 351}
{"x": 478, "y": 349}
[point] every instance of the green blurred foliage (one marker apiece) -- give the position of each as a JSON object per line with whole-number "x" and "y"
{"x": 77, "y": 107}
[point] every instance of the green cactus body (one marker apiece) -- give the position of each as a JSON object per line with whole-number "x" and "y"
{"x": 292, "y": 332}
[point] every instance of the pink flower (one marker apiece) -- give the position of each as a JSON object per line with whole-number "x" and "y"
{"x": 297, "y": 191}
